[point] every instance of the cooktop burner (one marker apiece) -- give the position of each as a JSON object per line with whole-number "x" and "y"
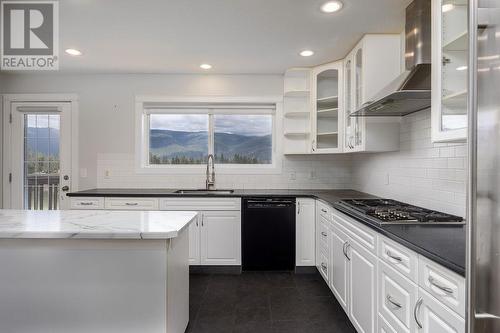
{"x": 387, "y": 211}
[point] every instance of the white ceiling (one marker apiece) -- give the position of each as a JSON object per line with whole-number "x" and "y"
{"x": 235, "y": 36}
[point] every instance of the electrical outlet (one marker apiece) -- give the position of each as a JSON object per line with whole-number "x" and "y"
{"x": 292, "y": 176}
{"x": 387, "y": 180}
{"x": 107, "y": 174}
{"x": 312, "y": 174}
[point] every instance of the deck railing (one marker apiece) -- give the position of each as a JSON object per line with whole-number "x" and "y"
{"x": 42, "y": 193}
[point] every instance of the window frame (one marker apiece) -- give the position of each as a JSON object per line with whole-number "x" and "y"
{"x": 210, "y": 106}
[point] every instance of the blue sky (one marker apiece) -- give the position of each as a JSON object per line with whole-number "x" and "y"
{"x": 249, "y": 125}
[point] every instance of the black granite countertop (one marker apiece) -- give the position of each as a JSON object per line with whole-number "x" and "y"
{"x": 444, "y": 244}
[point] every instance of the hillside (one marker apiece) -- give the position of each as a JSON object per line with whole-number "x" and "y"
{"x": 171, "y": 146}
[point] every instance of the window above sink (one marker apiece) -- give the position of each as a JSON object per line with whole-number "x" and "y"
{"x": 176, "y": 135}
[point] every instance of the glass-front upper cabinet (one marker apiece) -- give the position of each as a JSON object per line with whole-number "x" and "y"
{"x": 349, "y": 122}
{"x": 327, "y": 115}
{"x": 353, "y": 67}
{"x": 358, "y": 97}
{"x": 449, "y": 70}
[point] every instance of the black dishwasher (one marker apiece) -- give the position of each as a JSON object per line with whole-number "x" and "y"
{"x": 268, "y": 234}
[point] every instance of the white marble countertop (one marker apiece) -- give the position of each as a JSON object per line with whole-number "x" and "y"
{"x": 93, "y": 224}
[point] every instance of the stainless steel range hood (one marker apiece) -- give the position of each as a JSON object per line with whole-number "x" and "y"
{"x": 411, "y": 91}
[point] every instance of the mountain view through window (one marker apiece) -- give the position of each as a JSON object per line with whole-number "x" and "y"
{"x": 183, "y": 139}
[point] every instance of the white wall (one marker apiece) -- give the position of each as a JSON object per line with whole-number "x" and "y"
{"x": 421, "y": 173}
{"x": 106, "y": 127}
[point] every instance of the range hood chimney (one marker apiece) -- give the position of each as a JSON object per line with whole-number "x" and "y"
{"x": 411, "y": 91}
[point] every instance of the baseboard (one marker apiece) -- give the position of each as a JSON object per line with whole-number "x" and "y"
{"x": 198, "y": 269}
{"x": 305, "y": 270}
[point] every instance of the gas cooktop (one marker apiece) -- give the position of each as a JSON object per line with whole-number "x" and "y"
{"x": 387, "y": 211}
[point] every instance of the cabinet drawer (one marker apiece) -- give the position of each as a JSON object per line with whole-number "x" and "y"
{"x": 445, "y": 285}
{"x": 399, "y": 257}
{"x": 384, "y": 327}
{"x": 87, "y": 203}
{"x": 323, "y": 210}
{"x": 131, "y": 203}
{"x": 397, "y": 296}
{"x": 323, "y": 265}
{"x": 217, "y": 204}
{"x": 360, "y": 233}
{"x": 322, "y": 233}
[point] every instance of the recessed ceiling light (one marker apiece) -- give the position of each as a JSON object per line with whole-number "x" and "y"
{"x": 447, "y": 7}
{"x": 205, "y": 66}
{"x": 73, "y": 52}
{"x": 306, "y": 53}
{"x": 331, "y": 6}
{"x": 461, "y": 68}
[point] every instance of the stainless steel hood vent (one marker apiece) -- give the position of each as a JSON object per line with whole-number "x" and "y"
{"x": 411, "y": 91}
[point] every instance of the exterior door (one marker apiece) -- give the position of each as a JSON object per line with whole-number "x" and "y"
{"x": 40, "y": 155}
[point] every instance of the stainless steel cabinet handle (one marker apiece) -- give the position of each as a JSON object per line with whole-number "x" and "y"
{"x": 323, "y": 233}
{"x": 196, "y": 221}
{"x": 202, "y": 217}
{"x": 390, "y": 255}
{"x": 393, "y": 302}
{"x": 323, "y": 210}
{"x": 298, "y": 207}
{"x": 416, "y": 310}
{"x": 131, "y": 203}
{"x": 346, "y": 248}
{"x": 440, "y": 287}
{"x": 86, "y": 203}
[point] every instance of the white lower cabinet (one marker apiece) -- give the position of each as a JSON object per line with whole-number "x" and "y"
{"x": 220, "y": 238}
{"x": 397, "y": 296}
{"x": 383, "y": 286}
{"x": 304, "y": 221}
{"x": 406, "y": 307}
{"x": 362, "y": 287}
{"x": 194, "y": 242}
{"x": 434, "y": 317}
{"x": 131, "y": 203}
{"x": 339, "y": 277}
{"x": 384, "y": 327}
{"x": 215, "y": 238}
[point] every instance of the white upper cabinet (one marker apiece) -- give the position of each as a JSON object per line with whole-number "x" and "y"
{"x": 370, "y": 66}
{"x": 327, "y": 108}
{"x": 449, "y": 70}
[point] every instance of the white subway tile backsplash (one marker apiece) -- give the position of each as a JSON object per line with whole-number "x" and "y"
{"x": 330, "y": 172}
{"x": 423, "y": 173}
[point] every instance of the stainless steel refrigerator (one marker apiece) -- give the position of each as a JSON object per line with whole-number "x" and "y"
{"x": 483, "y": 260}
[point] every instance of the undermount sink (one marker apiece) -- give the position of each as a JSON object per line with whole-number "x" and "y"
{"x": 203, "y": 191}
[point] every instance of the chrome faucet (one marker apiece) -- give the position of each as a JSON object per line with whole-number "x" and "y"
{"x": 210, "y": 175}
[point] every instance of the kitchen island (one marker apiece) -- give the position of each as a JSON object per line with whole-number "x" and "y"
{"x": 94, "y": 271}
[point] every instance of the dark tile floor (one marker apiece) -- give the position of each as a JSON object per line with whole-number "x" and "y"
{"x": 264, "y": 302}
